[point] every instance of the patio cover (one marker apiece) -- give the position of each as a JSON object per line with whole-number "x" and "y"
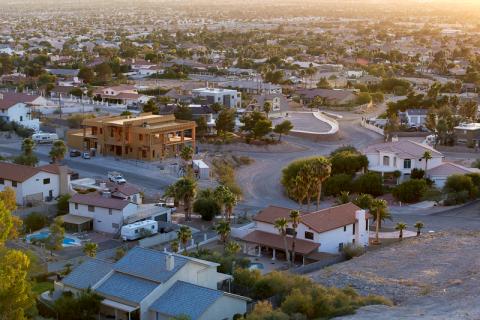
{"x": 74, "y": 219}
{"x": 275, "y": 241}
{"x": 118, "y": 305}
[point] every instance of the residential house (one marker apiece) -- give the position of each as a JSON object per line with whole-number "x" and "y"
{"x": 144, "y": 137}
{"x": 34, "y": 184}
{"x": 122, "y": 94}
{"x": 226, "y": 97}
{"x": 468, "y": 133}
{"x": 18, "y": 107}
{"x": 402, "y": 156}
{"x": 151, "y": 285}
{"x": 278, "y": 102}
{"x": 440, "y": 173}
{"x": 252, "y": 86}
{"x": 322, "y": 231}
{"x": 416, "y": 117}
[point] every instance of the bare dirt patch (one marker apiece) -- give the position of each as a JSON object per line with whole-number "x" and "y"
{"x": 436, "y": 276}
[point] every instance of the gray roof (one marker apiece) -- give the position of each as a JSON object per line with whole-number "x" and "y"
{"x": 126, "y": 287}
{"x": 148, "y": 264}
{"x": 404, "y": 149}
{"x": 186, "y": 299}
{"x": 64, "y": 72}
{"x": 88, "y": 273}
{"x": 417, "y": 112}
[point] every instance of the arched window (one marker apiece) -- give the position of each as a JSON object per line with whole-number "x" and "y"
{"x": 386, "y": 160}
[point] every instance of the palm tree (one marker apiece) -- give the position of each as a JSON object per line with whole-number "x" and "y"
{"x": 427, "y": 155}
{"x": 267, "y": 108}
{"x": 184, "y": 190}
{"x": 58, "y": 151}
{"x": 230, "y": 201}
{"x": 295, "y": 219}
{"x": 174, "y": 246}
{"x": 419, "y": 226}
{"x": 281, "y": 224}
{"x": 377, "y": 206}
{"x": 343, "y": 198}
{"x": 222, "y": 195}
{"x": 321, "y": 169}
{"x": 90, "y": 249}
{"x": 223, "y": 230}
{"x": 187, "y": 155}
{"x": 400, "y": 227}
{"x": 232, "y": 248}
{"x": 184, "y": 234}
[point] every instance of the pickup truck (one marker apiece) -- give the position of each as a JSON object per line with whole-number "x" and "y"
{"x": 116, "y": 177}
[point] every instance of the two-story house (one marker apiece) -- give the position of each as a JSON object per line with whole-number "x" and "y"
{"x": 34, "y": 184}
{"x": 152, "y": 285}
{"x": 326, "y": 230}
{"x": 227, "y": 97}
{"x": 18, "y": 107}
{"x": 402, "y": 156}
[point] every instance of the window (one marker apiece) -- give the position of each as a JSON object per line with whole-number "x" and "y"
{"x": 110, "y": 211}
{"x": 344, "y": 228}
{"x": 290, "y": 231}
{"x": 115, "y": 225}
{"x": 140, "y": 137}
{"x": 2, "y": 181}
{"x": 91, "y": 208}
{"x": 14, "y": 184}
{"x": 340, "y": 246}
{"x": 21, "y": 118}
{"x": 136, "y": 230}
{"x": 353, "y": 241}
{"x": 308, "y": 235}
{"x": 46, "y": 181}
{"x": 76, "y": 206}
{"x": 395, "y": 161}
{"x": 353, "y": 229}
{"x": 407, "y": 164}
{"x": 386, "y": 160}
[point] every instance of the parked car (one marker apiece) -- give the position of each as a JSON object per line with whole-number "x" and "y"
{"x": 85, "y": 155}
{"x": 116, "y": 177}
{"x": 75, "y": 153}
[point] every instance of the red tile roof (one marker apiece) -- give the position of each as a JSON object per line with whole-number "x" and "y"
{"x": 20, "y": 173}
{"x": 319, "y": 221}
{"x": 9, "y": 99}
{"x": 275, "y": 241}
{"x": 98, "y": 200}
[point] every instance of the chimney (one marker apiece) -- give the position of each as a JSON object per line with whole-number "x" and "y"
{"x": 1, "y": 96}
{"x": 169, "y": 262}
{"x": 106, "y": 194}
{"x": 64, "y": 179}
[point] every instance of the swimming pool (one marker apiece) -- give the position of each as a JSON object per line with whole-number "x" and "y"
{"x": 256, "y": 265}
{"x": 42, "y": 235}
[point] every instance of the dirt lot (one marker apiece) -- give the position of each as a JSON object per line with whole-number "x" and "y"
{"x": 436, "y": 276}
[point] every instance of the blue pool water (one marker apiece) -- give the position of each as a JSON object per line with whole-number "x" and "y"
{"x": 44, "y": 235}
{"x": 256, "y": 265}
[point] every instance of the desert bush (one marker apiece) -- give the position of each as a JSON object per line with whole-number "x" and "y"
{"x": 410, "y": 191}
{"x": 338, "y": 183}
{"x": 369, "y": 183}
{"x": 351, "y": 250}
{"x": 34, "y": 221}
{"x": 207, "y": 208}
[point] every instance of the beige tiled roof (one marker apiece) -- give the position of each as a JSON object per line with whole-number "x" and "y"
{"x": 403, "y": 149}
{"x": 448, "y": 168}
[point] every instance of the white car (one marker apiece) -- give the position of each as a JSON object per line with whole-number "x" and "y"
{"x": 116, "y": 177}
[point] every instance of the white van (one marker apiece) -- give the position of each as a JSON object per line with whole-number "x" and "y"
{"x": 44, "y": 137}
{"x": 140, "y": 229}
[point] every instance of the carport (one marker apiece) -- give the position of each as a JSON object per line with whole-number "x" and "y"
{"x": 74, "y": 223}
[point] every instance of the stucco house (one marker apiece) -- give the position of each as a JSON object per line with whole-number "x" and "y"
{"x": 402, "y": 156}
{"x": 34, "y": 184}
{"x": 441, "y": 173}
{"x": 18, "y": 107}
{"x": 416, "y": 117}
{"x": 323, "y": 231}
{"x": 152, "y": 285}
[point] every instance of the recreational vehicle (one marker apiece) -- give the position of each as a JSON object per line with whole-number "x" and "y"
{"x": 140, "y": 229}
{"x": 44, "y": 137}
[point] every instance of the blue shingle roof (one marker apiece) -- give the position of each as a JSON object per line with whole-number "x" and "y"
{"x": 126, "y": 287}
{"x": 148, "y": 264}
{"x": 88, "y": 273}
{"x": 186, "y": 299}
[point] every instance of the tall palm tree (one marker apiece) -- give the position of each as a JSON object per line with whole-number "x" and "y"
{"x": 419, "y": 226}
{"x": 377, "y": 206}
{"x": 184, "y": 190}
{"x": 321, "y": 170}
{"x": 184, "y": 234}
{"x": 267, "y": 108}
{"x": 281, "y": 224}
{"x": 230, "y": 201}
{"x": 223, "y": 230}
{"x": 400, "y": 227}
{"x": 427, "y": 155}
{"x": 187, "y": 155}
{"x": 58, "y": 151}
{"x": 90, "y": 249}
{"x": 222, "y": 194}
{"x": 295, "y": 219}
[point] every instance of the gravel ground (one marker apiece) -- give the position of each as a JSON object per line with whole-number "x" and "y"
{"x": 436, "y": 276}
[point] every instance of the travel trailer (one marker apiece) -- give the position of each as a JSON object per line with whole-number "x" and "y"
{"x": 44, "y": 137}
{"x": 140, "y": 229}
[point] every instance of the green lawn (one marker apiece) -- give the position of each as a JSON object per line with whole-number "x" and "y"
{"x": 41, "y": 287}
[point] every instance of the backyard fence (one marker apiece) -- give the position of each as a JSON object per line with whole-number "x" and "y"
{"x": 315, "y": 266}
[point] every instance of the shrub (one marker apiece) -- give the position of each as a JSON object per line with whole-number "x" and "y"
{"x": 455, "y": 198}
{"x": 369, "y": 183}
{"x": 351, "y": 250}
{"x": 348, "y": 162}
{"x": 34, "y": 221}
{"x": 410, "y": 191}
{"x": 417, "y": 173}
{"x": 460, "y": 183}
{"x": 338, "y": 183}
{"x": 62, "y": 204}
{"x": 207, "y": 208}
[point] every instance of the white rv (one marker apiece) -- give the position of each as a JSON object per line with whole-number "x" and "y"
{"x": 44, "y": 137}
{"x": 140, "y": 229}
